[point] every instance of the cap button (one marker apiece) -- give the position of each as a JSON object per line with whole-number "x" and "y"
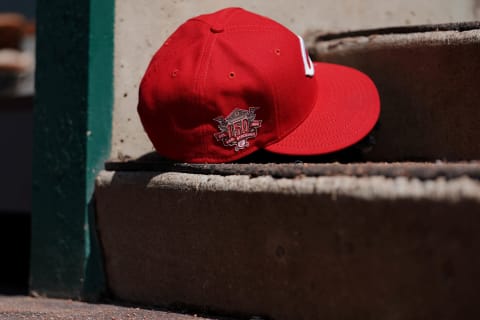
{"x": 216, "y": 29}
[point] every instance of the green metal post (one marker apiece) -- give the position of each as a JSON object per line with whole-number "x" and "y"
{"x": 73, "y": 115}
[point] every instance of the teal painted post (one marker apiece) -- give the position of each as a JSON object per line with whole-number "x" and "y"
{"x": 74, "y": 94}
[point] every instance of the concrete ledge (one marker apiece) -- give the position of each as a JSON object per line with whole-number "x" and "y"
{"x": 368, "y": 188}
{"x": 22, "y": 307}
{"x": 294, "y": 168}
{"x": 304, "y": 248}
{"x": 428, "y": 84}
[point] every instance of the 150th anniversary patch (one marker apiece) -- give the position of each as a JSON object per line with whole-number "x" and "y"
{"x": 237, "y": 128}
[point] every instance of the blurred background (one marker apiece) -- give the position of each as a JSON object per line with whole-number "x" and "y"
{"x": 17, "y": 56}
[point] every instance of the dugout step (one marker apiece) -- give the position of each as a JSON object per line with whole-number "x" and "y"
{"x": 322, "y": 244}
{"x": 390, "y": 233}
{"x": 427, "y": 77}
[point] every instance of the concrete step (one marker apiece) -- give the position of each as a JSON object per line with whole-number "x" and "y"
{"x": 23, "y": 307}
{"x": 335, "y": 247}
{"x": 305, "y": 240}
{"x": 420, "y": 170}
{"x": 428, "y": 80}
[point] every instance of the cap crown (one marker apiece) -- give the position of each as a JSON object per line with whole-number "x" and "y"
{"x": 221, "y": 68}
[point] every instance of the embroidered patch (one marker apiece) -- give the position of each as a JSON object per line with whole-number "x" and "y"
{"x": 237, "y": 128}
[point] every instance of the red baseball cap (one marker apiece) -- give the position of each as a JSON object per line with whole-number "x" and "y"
{"x": 227, "y": 84}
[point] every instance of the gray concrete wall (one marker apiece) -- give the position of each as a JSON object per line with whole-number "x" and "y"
{"x": 141, "y": 27}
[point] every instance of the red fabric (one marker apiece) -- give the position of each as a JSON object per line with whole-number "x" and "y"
{"x": 346, "y": 109}
{"x": 233, "y": 60}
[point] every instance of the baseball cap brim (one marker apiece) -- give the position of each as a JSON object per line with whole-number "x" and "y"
{"x": 346, "y": 110}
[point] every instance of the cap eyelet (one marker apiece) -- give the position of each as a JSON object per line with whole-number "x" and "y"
{"x": 277, "y": 52}
{"x": 174, "y": 73}
{"x": 231, "y": 75}
{"x": 216, "y": 29}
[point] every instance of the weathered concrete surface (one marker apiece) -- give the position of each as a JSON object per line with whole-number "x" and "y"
{"x": 418, "y": 170}
{"x": 142, "y": 26}
{"x": 20, "y": 307}
{"x": 305, "y": 248}
{"x": 428, "y": 84}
